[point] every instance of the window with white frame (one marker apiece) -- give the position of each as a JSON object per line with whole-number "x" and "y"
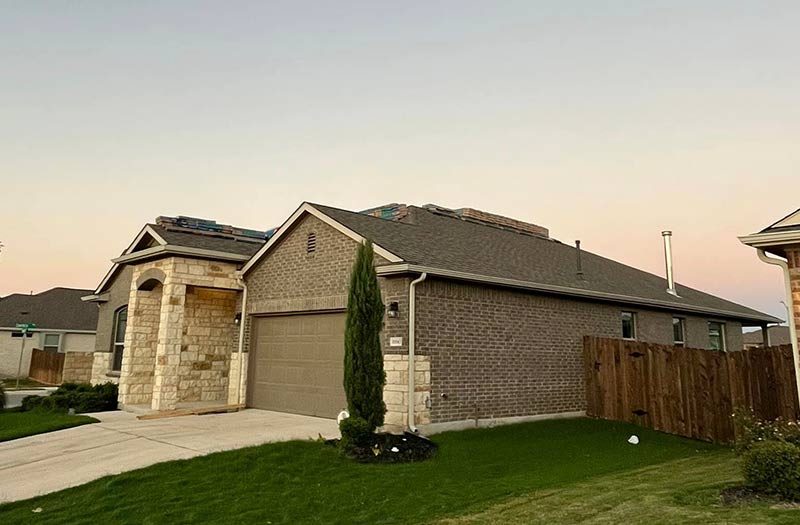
{"x": 716, "y": 336}
{"x": 628, "y": 325}
{"x": 52, "y": 342}
{"x": 678, "y": 331}
{"x": 120, "y": 324}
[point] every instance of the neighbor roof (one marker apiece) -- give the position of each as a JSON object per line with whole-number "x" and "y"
{"x": 778, "y": 335}
{"x": 431, "y": 240}
{"x": 55, "y": 309}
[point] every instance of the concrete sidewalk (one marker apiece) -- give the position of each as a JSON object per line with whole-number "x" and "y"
{"x": 49, "y": 462}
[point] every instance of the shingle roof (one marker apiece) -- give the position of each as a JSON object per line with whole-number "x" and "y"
{"x": 207, "y": 241}
{"x": 440, "y": 241}
{"x": 778, "y": 335}
{"x": 55, "y": 309}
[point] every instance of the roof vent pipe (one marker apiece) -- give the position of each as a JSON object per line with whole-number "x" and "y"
{"x": 668, "y": 256}
{"x": 578, "y": 263}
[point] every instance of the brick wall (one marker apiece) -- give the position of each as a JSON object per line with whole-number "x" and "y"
{"x": 503, "y": 353}
{"x": 500, "y": 353}
{"x": 656, "y": 327}
{"x": 793, "y": 256}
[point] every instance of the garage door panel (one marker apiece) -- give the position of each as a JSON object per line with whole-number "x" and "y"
{"x": 298, "y": 364}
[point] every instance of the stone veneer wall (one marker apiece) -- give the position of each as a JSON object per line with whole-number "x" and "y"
{"x": 77, "y": 367}
{"x": 141, "y": 342}
{"x": 395, "y": 393}
{"x": 101, "y": 368}
{"x": 233, "y": 379}
{"x": 160, "y": 333}
{"x": 208, "y": 331}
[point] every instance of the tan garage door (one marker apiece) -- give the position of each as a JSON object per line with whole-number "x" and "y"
{"x": 297, "y": 364}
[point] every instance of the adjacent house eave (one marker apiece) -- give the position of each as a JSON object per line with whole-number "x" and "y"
{"x": 311, "y": 210}
{"x": 771, "y": 239}
{"x": 572, "y": 292}
{"x": 40, "y": 329}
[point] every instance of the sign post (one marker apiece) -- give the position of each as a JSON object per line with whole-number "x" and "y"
{"x": 23, "y": 327}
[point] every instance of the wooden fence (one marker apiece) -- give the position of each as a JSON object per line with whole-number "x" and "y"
{"x": 46, "y": 367}
{"x": 687, "y": 391}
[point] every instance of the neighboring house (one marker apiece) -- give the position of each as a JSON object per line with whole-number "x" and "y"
{"x": 782, "y": 239}
{"x": 778, "y": 335}
{"x": 501, "y": 311}
{"x": 63, "y": 324}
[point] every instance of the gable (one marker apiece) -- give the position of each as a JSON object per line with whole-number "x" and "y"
{"x": 792, "y": 220}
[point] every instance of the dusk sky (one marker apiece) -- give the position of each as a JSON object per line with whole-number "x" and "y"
{"x": 600, "y": 120}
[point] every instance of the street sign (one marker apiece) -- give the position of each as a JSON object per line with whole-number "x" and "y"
{"x": 26, "y": 326}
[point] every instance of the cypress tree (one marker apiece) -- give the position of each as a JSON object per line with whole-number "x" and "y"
{"x": 363, "y": 359}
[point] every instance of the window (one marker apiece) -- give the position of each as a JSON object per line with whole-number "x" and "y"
{"x": 628, "y": 325}
{"x": 716, "y": 336}
{"x": 52, "y": 342}
{"x": 120, "y": 323}
{"x": 678, "y": 331}
{"x": 311, "y": 243}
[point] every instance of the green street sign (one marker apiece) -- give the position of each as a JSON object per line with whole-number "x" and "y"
{"x": 26, "y": 326}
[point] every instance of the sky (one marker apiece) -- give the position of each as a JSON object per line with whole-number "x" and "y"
{"x": 604, "y": 121}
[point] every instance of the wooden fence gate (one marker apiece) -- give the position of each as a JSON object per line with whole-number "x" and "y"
{"x": 687, "y": 391}
{"x": 46, "y": 367}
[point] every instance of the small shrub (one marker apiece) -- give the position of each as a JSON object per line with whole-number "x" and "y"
{"x": 752, "y": 431}
{"x": 2, "y": 397}
{"x": 356, "y": 432}
{"x": 773, "y": 467}
{"x": 82, "y": 398}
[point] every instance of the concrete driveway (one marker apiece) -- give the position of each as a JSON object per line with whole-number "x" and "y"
{"x": 49, "y": 462}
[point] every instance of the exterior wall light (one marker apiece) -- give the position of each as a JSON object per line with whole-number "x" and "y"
{"x": 237, "y": 318}
{"x": 394, "y": 309}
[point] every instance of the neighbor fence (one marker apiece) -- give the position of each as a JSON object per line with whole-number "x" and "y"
{"x": 46, "y": 367}
{"x": 687, "y": 391}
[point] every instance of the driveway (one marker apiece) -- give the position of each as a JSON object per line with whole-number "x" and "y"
{"x": 49, "y": 462}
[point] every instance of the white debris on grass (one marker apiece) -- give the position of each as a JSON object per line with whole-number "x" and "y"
{"x": 633, "y": 440}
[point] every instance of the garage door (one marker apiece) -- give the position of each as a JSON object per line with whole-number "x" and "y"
{"x": 297, "y": 364}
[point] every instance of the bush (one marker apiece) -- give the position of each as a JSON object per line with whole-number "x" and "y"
{"x": 2, "y": 397}
{"x": 82, "y": 397}
{"x": 773, "y": 467}
{"x": 363, "y": 357}
{"x": 752, "y": 431}
{"x": 356, "y": 432}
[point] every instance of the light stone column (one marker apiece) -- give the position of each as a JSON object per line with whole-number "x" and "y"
{"x": 168, "y": 351}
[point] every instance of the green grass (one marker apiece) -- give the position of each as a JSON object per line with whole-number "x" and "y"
{"x": 681, "y": 492}
{"x": 24, "y": 383}
{"x": 306, "y": 482}
{"x": 14, "y": 424}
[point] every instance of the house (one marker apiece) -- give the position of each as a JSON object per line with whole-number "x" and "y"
{"x": 64, "y": 324}
{"x": 778, "y": 335}
{"x": 484, "y": 322}
{"x": 779, "y": 245}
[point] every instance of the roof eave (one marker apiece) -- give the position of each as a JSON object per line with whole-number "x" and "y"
{"x": 573, "y": 292}
{"x": 771, "y": 239}
{"x": 170, "y": 249}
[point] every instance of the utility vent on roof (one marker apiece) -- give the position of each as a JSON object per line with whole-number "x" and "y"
{"x": 311, "y": 243}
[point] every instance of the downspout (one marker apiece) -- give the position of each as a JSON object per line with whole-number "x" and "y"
{"x": 242, "y": 322}
{"x": 792, "y": 327}
{"x": 412, "y": 307}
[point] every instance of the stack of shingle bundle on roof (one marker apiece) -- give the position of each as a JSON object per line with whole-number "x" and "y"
{"x": 207, "y": 225}
{"x": 392, "y": 212}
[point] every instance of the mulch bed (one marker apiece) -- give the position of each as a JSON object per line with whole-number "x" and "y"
{"x": 392, "y": 448}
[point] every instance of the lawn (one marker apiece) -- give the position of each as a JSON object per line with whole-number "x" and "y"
{"x": 306, "y": 482}
{"x": 683, "y": 491}
{"x": 14, "y": 424}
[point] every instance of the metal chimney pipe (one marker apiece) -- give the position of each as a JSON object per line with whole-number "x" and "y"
{"x": 668, "y": 256}
{"x": 578, "y": 261}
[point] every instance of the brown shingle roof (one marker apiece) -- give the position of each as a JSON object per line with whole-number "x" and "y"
{"x": 207, "y": 241}
{"x": 445, "y": 242}
{"x": 55, "y": 309}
